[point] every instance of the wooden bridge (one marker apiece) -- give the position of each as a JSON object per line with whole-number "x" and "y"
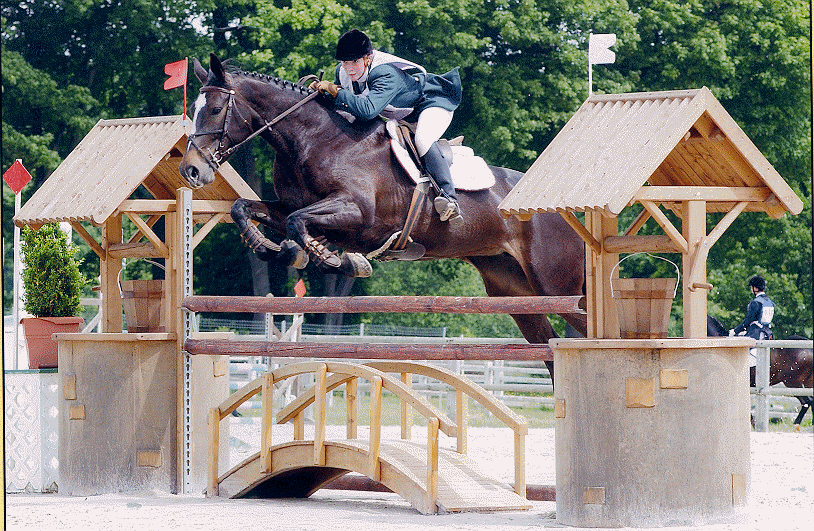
{"x": 431, "y": 478}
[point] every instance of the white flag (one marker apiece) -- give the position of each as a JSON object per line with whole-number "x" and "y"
{"x": 598, "y": 48}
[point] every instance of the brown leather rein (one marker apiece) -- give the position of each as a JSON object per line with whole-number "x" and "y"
{"x": 216, "y": 158}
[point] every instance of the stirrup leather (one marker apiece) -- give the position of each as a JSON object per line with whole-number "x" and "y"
{"x": 321, "y": 254}
{"x": 254, "y": 239}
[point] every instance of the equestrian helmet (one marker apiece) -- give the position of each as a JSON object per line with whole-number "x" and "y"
{"x": 757, "y": 282}
{"x": 353, "y": 45}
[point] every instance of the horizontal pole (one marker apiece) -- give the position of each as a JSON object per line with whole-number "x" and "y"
{"x": 362, "y": 351}
{"x": 415, "y": 304}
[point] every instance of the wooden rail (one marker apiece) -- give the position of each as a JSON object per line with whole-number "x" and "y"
{"x": 417, "y": 304}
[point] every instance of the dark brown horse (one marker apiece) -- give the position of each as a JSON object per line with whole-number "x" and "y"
{"x": 793, "y": 367}
{"x": 339, "y": 181}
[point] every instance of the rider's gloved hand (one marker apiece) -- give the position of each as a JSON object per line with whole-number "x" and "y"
{"x": 326, "y": 87}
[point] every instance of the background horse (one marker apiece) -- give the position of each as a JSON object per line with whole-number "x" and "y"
{"x": 791, "y": 366}
{"x": 338, "y": 182}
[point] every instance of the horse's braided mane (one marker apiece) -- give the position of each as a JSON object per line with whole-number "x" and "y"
{"x": 237, "y": 71}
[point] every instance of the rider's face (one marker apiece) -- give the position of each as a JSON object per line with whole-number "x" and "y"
{"x": 355, "y": 69}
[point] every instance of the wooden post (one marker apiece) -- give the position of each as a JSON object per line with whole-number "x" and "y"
{"x": 375, "y": 427}
{"x": 520, "y": 463}
{"x": 432, "y": 464}
{"x": 461, "y": 418}
{"x": 319, "y": 415}
{"x": 299, "y": 426}
{"x": 109, "y": 271}
{"x": 406, "y": 409}
{"x": 214, "y": 443}
{"x": 602, "y": 320}
{"x": 351, "y": 408}
{"x": 694, "y": 229}
{"x": 266, "y": 422}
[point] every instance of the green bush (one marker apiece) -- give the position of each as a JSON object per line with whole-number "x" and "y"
{"x": 51, "y": 278}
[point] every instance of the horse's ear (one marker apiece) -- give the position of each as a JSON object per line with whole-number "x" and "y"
{"x": 200, "y": 72}
{"x": 217, "y": 67}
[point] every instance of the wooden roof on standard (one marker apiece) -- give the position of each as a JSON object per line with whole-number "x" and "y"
{"x": 616, "y": 144}
{"x": 110, "y": 163}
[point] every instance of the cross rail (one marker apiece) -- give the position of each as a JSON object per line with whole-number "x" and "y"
{"x": 366, "y": 304}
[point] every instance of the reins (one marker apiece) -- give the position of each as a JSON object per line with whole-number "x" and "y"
{"x": 215, "y": 159}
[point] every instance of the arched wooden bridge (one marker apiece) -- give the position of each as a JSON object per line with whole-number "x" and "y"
{"x": 432, "y": 479}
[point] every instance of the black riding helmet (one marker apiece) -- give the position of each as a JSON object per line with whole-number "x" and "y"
{"x": 353, "y": 45}
{"x": 757, "y": 282}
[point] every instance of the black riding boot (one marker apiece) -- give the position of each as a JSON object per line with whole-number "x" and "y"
{"x": 446, "y": 204}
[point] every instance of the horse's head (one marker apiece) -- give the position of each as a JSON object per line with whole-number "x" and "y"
{"x": 218, "y": 126}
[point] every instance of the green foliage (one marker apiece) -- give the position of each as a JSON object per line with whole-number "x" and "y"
{"x": 51, "y": 278}
{"x": 524, "y": 69}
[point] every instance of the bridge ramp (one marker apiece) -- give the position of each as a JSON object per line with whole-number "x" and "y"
{"x": 462, "y": 485}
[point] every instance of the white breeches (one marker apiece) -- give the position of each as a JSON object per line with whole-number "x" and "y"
{"x": 432, "y": 123}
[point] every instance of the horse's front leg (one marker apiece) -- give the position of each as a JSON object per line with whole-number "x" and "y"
{"x": 330, "y": 215}
{"x": 272, "y": 214}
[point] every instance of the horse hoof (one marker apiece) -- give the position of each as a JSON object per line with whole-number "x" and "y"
{"x": 796, "y": 428}
{"x": 356, "y": 265}
{"x": 299, "y": 258}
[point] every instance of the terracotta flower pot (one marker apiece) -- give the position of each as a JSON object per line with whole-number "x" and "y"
{"x": 42, "y": 350}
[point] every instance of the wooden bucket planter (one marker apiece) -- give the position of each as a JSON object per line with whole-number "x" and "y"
{"x": 643, "y": 304}
{"x": 142, "y": 301}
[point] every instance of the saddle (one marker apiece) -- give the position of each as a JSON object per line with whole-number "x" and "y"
{"x": 469, "y": 172}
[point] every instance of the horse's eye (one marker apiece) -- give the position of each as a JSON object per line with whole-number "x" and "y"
{"x": 216, "y": 110}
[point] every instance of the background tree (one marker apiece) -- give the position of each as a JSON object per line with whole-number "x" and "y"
{"x": 524, "y": 69}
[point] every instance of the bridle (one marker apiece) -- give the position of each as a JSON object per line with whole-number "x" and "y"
{"x": 216, "y": 158}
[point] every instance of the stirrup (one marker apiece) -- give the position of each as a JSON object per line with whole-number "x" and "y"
{"x": 448, "y": 209}
{"x": 322, "y": 255}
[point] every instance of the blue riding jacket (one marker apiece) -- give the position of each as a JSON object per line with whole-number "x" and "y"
{"x": 758, "y": 320}
{"x": 387, "y": 89}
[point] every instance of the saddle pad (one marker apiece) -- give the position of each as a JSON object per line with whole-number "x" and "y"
{"x": 469, "y": 172}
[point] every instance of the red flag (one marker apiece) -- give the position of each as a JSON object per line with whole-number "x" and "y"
{"x": 177, "y": 72}
{"x": 299, "y": 288}
{"x": 17, "y": 176}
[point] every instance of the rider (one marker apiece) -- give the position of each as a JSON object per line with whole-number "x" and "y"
{"x": 759, "y": 313}
{"x": 369, "y": 83}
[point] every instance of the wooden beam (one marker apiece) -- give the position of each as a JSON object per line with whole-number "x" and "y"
{"x": 100, "y": 252}
{"x": 162, "y": 206}
{"x": 207, "y": 227}
{"x": 665, "y": 224}
{"x": 696, "y": 280}
{"x": 162, "y": 249}
{"x": 152, "y": 220}
{"x": 365, "y": 304}
{"x": 379, "y": 351}
{"x": 583, "y": 233}
{"x": 702, "y": 193}
{"x": 133, "y": 250}
{"x": 635, "y": 244}
{"x": 638, "y": 223}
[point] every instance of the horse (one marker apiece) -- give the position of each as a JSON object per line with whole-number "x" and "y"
{"x": 339, "y": 183}
{"x": 791, "y": 366}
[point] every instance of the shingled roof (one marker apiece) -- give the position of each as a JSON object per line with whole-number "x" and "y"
{"x": 617, "y": 144}
{"x": 110, "y": 163}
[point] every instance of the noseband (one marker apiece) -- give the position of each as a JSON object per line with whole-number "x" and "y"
{"x": 216, "y": 158}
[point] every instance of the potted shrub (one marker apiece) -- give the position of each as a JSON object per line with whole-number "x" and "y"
{"x": 53, "y": 287}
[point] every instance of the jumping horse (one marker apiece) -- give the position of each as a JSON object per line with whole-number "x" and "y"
{"x": 791, "y": 366}
{"x": 339, "y": 183}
